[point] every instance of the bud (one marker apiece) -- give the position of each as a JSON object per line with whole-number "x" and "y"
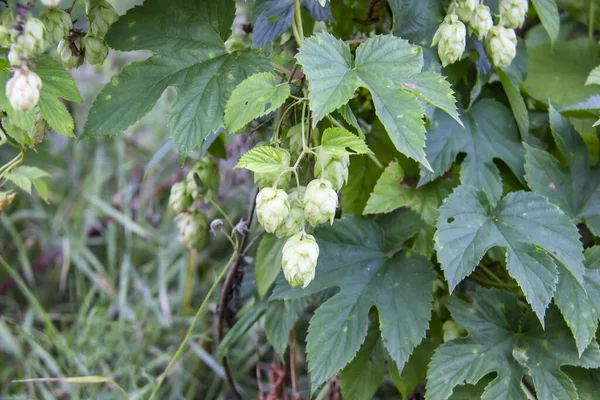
{"x": 39, "y": 131}
{"x": 481, "y": 21}
{"x": 512, "y": 13}
{"x": 501, "y": 45}
{"x": 6, "y": 198}
{"x": 32, "y": 37}
{"x": 96, "y": 49}
{"x": 332, "y": 168}
{"x": 207, "y": 170}
{"x": 179, "y": 200}
{"x": 16, "y": 55}
{"x": 101, "y": 16}
{"x": 463, "y": 8}
{"x": 450, "y": 39}
{"x": 193, "y": 229}
{"x": 57, "y": 22}
{"x": 320, "y": 202}
{"x": 299, "y": 259}
{"x": 51, "y": 3}
{"x": 272, "y": 208}
{"x": 65, "y": 52}
{"x": 280, "y": 178}
{"x": 23, "y": 90}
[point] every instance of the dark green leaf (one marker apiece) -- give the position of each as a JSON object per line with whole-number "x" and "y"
{"x": 517, "y": 103}
{"x": 281, "y": 318}
{"x": 416, "y": 20}
{"x": 268, "y": 262}
{"x": 548, "y": 13}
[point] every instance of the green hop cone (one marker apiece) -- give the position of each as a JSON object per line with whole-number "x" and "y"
{"x": 51, "y": 3}
{"x": 332, "y": 168}
{"x": 481, "y": 21}
{"x": 450, "y": 38}
{"x": 280, "y": 178}
{"x": 501, "y": 46}
{"x": 16, "y": 54}
{"x": 179, "y": 200}
{"x": 272, "y": 208}
{"x": 207, "y": 172}
{"x": 23, "y": 90}
{"x": 293, "y": 224}
{"x": 319, "y": 202}
{"x": 65, "y": 52}
{"x": 101, "y": 15}
{"x": 463, "y": 9}
{"x": 31, "y": 39}
{"x": 4, "y": 36}
{"x": 58, "y": 24}
{"x": 193, "y": 229}
{"x": 512, "y": 13}
{"x": 299, "y": 259}
{"x": 39, "y": 131}
{"x": 95, "y": 49}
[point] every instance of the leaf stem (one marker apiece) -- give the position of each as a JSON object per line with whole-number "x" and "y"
{"x": 191, "y": 328}
{"x": 298, "y": 20}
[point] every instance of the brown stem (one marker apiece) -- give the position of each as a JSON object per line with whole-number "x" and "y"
{"x": 295, "y": 394}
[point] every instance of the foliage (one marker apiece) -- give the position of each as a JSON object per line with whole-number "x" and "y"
{"x": 391, "y": 198}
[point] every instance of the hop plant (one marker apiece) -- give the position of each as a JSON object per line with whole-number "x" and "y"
{"x": 207, "y": 171}
{"x": 272, "y": 208}
{"x": 31, "y": 39}
{"x": 463, "y": 8}
{"x": 320, "y": 202}
{"x": 65, "y": 52}
{"x": 501, "y": 45}
{"x": 39, "y": 131}
{"x": 101, "y": 16}
{"x": 95, "y": 48}
{"x": 512, "y": 13}
{"x": 16, "y": 54}
{"x": 51, "y": 3}
{"x": 23, "y": 90}
{"x": 299, "y": 259}
{"x": 332, "y": 168}
{"x": 193, "y": 229}
{"x": 179, "y": 200}
{"x": 280, "y": 178}
{"x": 450, "y": 38}
{"x": 6, "y": 198}
{"x": 58, "y": 24}
{"x": 293, "y": 224}
{"x": 481, "y": 21}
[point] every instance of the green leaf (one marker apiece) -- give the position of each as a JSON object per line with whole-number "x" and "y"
{"x": 594, "y": 77}
{"x": 574, "y": 186}
{"x": 504, "y": 341}
{"x": 391, "y": 193}
{"x": 348, "y": 115}
{"x": 489, "y": 133}
{"x": 263, "y": 159}
{"x": 281, "y": 317}
{"x": 586, "y": 381}
{"x": 399, "y": 226}
{"x": 256, "y": 96}
{"x": 241, "y": 327}
{"x": 268, "y": 262}
{"x": 537, "y": 236}
{"x": 517, "y": 103}
{"x": 25, "y": 176}
{"x": 559, "y": 72}
{"x": 391, "y": 69}
{"x": 416, "y": 20}
{"x": 57, "y": 83}
{"x": 548, "y": 13}
{"x": 336, "y": 141}
{"x": 186, "y": 38}
{"x": 353, "y": 257}
{"x": 360, "y": 379}
{"x": 586, "y": 109}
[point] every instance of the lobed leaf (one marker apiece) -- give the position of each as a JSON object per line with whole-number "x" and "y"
{"x": 336, "y": 141}
{"x": 263, "y": 159}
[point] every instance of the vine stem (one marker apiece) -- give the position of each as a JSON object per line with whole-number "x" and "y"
{"x": 190, "y": 330}
{"x": 295, "y": 394}
{"x": 298, "y": 20}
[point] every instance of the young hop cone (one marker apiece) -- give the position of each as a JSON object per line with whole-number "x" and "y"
{"x": 57, "y": 22}
{"x": 179, "y": 201}
{"x": 450, "y": 38}
{"x": 332, "y": 168}
{"x": 512, "y": 13}
{"x": 299, "y": 259}
{"x": 96, "y": 49}
{"x": 320, "y": 202}
{"x": 207, "y": 170}
{"x": 501, "y": 45}
{"x": 272, "y": 208}
{"x": 295, "y": 220}
{"x": 193, "y": 229}
{"x": 23, "y": 90}
{"x": 32, "y": 38}
{"x": 280, "y": 178}
{"x": 481, "y": 21}
{"x": 463, "y": 8}
{"x": 101, "y": 15}
{"x": 40, "y": 130}
{"x": 65, "y": 52}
